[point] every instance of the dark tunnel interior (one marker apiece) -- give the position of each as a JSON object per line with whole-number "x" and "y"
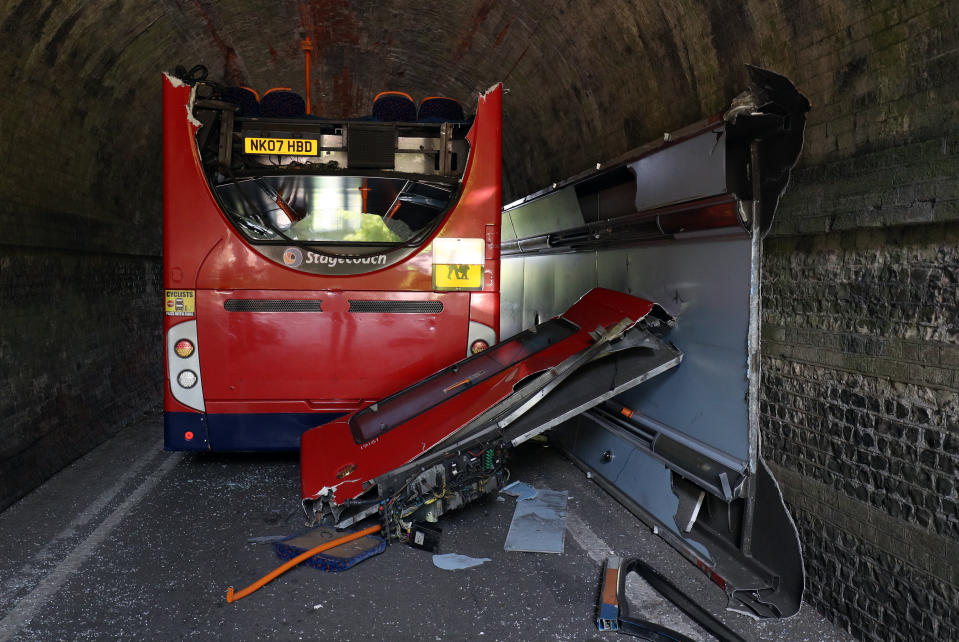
{"x": 860, "y": 329}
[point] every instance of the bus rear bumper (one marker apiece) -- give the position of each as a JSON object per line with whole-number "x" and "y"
{"x": 185, "y": 431}
{"x": 193, "y": 431}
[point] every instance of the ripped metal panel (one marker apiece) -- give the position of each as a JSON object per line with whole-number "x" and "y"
{"x": 703, "y": 199}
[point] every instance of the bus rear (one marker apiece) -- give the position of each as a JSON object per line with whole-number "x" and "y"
{"x": 314, "y": 265}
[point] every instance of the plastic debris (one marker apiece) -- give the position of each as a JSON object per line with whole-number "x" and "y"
{"x": 539, "y": 524}
{"x": 519, "y": 490}
{"x": 265, "y": 539}
{"x": 456, "y": 562}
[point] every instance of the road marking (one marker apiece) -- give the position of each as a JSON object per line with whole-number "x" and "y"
{"x": 638, "y": 592}
{"x": 596, "y": 548}
{"x": 27, "y": 607}
{"x": 34, "y": 567}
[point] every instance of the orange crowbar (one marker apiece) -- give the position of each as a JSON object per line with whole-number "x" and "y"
{"x": 272, "y": 575}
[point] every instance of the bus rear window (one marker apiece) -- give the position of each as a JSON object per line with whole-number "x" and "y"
{"x": 334, "y": 209}
{"x": 397, "y": 409}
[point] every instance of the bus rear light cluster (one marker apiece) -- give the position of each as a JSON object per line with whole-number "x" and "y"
{"x": 478, "y": 346}
{"x": 183, "y": 348}
{"x": 183, "y": 365}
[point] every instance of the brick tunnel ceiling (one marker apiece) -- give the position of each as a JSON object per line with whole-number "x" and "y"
{"x": 586, "y": 81}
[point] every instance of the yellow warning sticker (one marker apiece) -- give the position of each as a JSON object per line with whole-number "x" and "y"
{"x": 458, "y": 263}
{"x": 285, "y": 146}
{"x": 457, "y": 276}
{"x": 180, "y": 303}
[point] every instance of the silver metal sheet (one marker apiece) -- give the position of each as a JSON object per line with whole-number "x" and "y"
{"x": 631, "y": 471}
{"x": 553, "y": 283}
{"x": 705, "y": 284}
{"x": 558, "y": 211}
{"x": 539, "y": 524}
{"x": 572, "y": 278}
{"x": 511, "y": 297}
{"x": 612, "y": 268}
{"x": 692, "y": 169}
{"x": 538, "y": 289}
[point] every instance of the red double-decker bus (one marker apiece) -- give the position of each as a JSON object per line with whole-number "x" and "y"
{"x": 314, "y": 265}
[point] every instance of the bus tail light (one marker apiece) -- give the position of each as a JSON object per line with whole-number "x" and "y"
{"x": 480, "y": 337}
{"x": 183, "y": 348}
{"x": 478, "y": 346}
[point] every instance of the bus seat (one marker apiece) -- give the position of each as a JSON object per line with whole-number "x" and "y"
{"x": 281, "y": 102}
{"x": 439, "y": 109}
{"x": 394, "y": 106}
{"x": 243, "y": 97}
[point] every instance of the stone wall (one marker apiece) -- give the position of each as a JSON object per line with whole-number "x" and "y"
{"x": 860, "y": 398}
{"x": 80, "y": 253}
{"x": 861, "y": 421}
{"x": 80, "y": 356}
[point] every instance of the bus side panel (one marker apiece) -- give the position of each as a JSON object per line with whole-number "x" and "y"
{"x": 189, "y": 234}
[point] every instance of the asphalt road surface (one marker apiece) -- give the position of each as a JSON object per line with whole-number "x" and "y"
{"x": 134, "y": 543}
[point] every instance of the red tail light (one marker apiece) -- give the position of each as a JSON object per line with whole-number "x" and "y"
{"x": 478, "y": 346}
{"x": 183, "y": 348}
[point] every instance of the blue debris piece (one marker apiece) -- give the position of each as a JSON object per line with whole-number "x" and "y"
{"x": 520, "y": 490}
{"x": 456, "y": 562}
{"x": 333, "y": 560}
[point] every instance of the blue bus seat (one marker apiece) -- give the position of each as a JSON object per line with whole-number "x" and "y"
{"x": 281, "y": 102}
{"x": 243, "y": 97}
{"x": 439, "y": 109}
{"x": 394, "y": 106}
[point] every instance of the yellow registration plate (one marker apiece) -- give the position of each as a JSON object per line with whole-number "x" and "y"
{"x": 285, "y": 146}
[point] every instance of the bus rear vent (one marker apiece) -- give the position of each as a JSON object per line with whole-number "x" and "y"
{"x": 397, "y": 307}
{"x": 272, "y": 305}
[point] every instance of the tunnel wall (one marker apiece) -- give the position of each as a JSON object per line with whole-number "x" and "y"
{"x": 860, "y": 410}
{"x": 80, "y": 253}
{"x": 78, "y": 344}
{"x": 860, "y": 420}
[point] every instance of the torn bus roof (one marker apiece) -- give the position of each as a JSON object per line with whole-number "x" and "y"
{"x": 609, "y": 337}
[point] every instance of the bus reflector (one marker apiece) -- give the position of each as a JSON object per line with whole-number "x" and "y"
{"x": 478, "y": 346}
{"x": 188, "y": 435}
{"x": 345, "y": 471}
{"x": 183, "y": 348}
{"x": 186, "y": 379}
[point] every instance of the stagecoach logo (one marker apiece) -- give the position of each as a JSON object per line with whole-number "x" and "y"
{"x": 302, "y": 259}
{"x": 293, "y": 256}
{"x": 333, "y": 261}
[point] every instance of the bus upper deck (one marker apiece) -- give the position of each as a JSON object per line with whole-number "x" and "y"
{"x": 314, "y": 264}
